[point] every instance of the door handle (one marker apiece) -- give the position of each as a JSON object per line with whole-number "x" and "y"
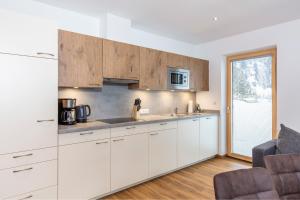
{"x": 46, "y": 54}
{"x": 88, "y": 133}
{"x": 45, "y": 120}
{"x": 102, "y": 142}
{"x": 25, "y": 155}
{"x": 118, "y": 140}
{"x": 28, "y": 197}
{"x": 22, "y": 170}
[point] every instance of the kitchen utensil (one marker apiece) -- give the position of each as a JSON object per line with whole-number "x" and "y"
{"x": 82, "y": 113}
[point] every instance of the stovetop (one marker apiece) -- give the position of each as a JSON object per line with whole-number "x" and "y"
{"x": 116, "y": 120}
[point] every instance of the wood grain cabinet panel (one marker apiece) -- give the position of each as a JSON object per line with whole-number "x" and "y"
{"x": 199, "y": 74}
{"x": 153, "y": 69}
{"x": 120, "y": 60}
{"x": 80, "y": 60}
{"x": 175, "y": 60}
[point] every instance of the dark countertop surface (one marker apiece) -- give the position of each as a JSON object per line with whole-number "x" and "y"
{"x": 145, "y": 119}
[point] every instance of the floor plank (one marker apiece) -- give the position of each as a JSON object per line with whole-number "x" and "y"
{"x": 195, "y": 182}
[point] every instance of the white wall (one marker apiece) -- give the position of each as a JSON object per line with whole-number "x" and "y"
{"x": 287, "y": 39}
{"x": 121, "y": 29}
{"x": 65, "y": 19}
{"x": 106, "y": 26}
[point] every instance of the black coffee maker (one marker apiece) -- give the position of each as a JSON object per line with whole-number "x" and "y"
{"x": 82, "y": 113}
{"x": 67, "y": 111}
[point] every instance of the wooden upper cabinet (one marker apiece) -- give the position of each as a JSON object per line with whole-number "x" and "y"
{"x": 175, "y": 60}
{"x": 120, "y": 60}
{"x": 153, "y": 69}
{"x": 199, "y": 74}
{"x": 80, "y": 60}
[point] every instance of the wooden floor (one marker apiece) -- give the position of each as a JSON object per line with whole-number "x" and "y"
{"x": 195, "y": 182}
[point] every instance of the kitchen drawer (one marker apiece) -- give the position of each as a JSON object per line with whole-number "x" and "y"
{"x": 21, "y": 180}
{"x": 49, "y": 193}
{"x": 162, "y": 126}
{"x": 129, "y": 130}
{"x": 85, "y": 136}
{"x": 27, "y": 157}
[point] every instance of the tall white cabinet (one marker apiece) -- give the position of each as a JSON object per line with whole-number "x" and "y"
{"x": 28, "y": 88}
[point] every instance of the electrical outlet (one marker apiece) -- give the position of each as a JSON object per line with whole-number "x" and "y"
{"x": 144, "y": 111}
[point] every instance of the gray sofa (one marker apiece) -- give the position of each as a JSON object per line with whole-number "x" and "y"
{"x": 262, "y": 150}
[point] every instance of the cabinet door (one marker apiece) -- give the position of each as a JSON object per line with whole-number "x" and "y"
{"x": 80, "y": 60}
{"x": 27, "y": 35}
{"x": 199, "y": 74}
{"x": 175, "y": 60}
{"x": 129, "y": 160}
{"x": 120, "y": 60}
{"x": 188, "y": 141}
{"x": 208, "y": 137}
{"x": 28, "y": 88}
{"x": 162, "y": 151}
{"x": 84, "y": 170}
{"x": 153, "y": 69}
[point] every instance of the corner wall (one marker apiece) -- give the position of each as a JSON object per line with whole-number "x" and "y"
{"x": 287, "y": 39}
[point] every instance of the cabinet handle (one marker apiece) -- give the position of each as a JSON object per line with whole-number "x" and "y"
{"x": 132, "y": 127}
{"x": 87, "y": 133}
{"x": 28, "y": 197}
{"x": 45, "y": 120}
{"x": 162, "y": 124}
{"x": 22, "y": 170}
{"x": 46, "y": 54}
{"x": 20, "y": 156}
{"x": 118, "y": 140}
{"x": 102, "y": 142}
{"x": 154, "y": 134}
{"x": 208, "y": 117}
{"x": 194, "y": 120}
{"x": 94, "y": 84}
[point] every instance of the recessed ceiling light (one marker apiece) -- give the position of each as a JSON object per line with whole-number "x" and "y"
{"x": 148, "y": 89}
{"x": 215, "y": 19}
{"x": 172, "y": 90}
{"x": 76, "y": 87}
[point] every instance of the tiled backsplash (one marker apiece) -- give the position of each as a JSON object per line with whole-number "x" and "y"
{"x": 117, "y": 100}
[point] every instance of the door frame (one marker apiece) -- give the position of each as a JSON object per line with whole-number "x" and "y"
{"x": 253, "y": 54}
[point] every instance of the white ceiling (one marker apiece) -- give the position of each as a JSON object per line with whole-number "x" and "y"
{"x": 191, "y": 20}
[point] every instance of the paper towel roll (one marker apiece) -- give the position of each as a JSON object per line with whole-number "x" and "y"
{"x": 190, "y": 107}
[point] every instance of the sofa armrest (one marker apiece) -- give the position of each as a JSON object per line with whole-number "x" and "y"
{"x": 262, "y": 150}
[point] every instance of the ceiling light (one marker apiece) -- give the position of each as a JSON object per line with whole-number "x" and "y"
{"x": 76, "y": 87}
{"x": 172, "y": 90}
{"x": 215, "y": 19}
{"x": 148, "y": 89}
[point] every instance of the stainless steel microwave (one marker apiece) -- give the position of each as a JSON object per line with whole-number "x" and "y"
{"x": 178, "y": 79}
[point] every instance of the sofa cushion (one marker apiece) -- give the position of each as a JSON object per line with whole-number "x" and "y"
{"x": 255, "y": 183}
{"x": 285, "y": 171}
{"x": 288, "y": 141}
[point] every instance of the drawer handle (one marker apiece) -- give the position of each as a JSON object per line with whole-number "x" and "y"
{"x": 45, "y": 120}
{"x": 133, "y": 127}
{"x": 28, "y": 197}
{"x": 26, "y": 155}
{"x": 154, "y": 134}
{"x": 46, "y": 54}
{"x": 102, "y": 142}
{"x": 162, "y": 124}
{"x": 88, "y": 133}
{"x": 22, "y": 170}
{"x": 118, "y": 140}
{"x": 194, "y": 120}
{"x": 208, "y": 117}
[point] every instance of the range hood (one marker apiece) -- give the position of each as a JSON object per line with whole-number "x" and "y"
{"x": 119, "y": 81}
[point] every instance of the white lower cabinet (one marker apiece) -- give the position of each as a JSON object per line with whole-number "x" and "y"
{"x": 129, "y": 160}
{"x": 27, "y": 178}
{"x": 43, "y": 194}
{"x": 162, "y": 151}
{"x": 84, "y": 170}
{"x": 188, "y": 142}
{"x": 208, "y": 137}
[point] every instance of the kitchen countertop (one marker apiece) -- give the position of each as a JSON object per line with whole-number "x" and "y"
{"x": 146, "y": 119}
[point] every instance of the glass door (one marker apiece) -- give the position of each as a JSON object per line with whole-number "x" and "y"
{"x": 251, "y": 101}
